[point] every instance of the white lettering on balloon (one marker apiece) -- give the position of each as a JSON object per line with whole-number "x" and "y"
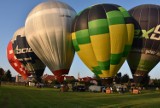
{"x": 156, "y": 34}
{"x": 23, "y": 50}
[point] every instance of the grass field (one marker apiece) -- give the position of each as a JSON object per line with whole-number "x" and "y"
{"x": 29, "y": 97}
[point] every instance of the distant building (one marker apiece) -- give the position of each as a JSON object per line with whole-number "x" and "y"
{"x": 85, "y": 79}
{"x": 50, "y": 78}
{"x": 94, "y": 81}
{"x": 20, "y": 79}
{"x": 69, "y": 78}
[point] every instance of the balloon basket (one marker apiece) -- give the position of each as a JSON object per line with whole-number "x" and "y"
{"x": 108, "y": 90}
{"x": 136, "y": 91}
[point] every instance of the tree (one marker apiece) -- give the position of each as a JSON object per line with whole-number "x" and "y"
{"x": 145, "y": 81}
{"x": 7, "y": 76}
{"x": 55, "y": 82}
{"x": 1, "y": 74}
{"x": 156, "y": 82}
{"x": 70, "y": 81}
{"x": 125, "y": 78}
{"x": 119, "y": 75}
{"x": 117, "y": 78}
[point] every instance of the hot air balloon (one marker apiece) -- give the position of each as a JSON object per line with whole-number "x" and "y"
{"x": 102, "y": 36}
{"x": 145, "y": 52}
{"x": 48, "y": 32}
{"x": 26, "y": 56}
{"x": 15, "y": 63}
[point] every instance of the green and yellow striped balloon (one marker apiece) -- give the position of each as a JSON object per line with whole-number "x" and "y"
{"x": 102, "y": 36}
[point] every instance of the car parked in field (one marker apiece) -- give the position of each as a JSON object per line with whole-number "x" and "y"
{"x": 79, "y": 88}
{"x": 57, "y": 86}
{"x": 95, "y": 88}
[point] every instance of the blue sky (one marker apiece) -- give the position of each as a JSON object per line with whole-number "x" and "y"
{"x": 13, "y": 14}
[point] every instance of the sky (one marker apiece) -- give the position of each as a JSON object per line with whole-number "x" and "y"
{"x": 13, "y": 14}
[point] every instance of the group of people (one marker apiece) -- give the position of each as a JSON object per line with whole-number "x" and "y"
{"x": 109, "y": 90}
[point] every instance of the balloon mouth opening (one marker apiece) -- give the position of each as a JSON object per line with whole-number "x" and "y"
{"x": 60, "y": 72}
{"x": 138, "y": 78}
{"x": 107, "y": 81}
{"x": 139, "y": 75}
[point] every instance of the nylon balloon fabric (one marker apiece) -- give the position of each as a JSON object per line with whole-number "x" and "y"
{"x": 26, "y": 56}
{"x": 102, "y": 36}
{"x": 145, "y": 52}
{"x": 48, "y": 32}
{"x": 15, "y": 63}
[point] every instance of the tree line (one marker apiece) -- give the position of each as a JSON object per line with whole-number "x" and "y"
{"x": 5, "y": 75}
{"x": 118, "y": 79}
{"x": 146, "y": 82}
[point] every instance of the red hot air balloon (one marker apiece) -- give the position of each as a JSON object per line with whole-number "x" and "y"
{"x": 15, "y": 63}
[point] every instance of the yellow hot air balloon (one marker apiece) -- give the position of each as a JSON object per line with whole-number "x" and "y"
{"x": 102, "y": 36}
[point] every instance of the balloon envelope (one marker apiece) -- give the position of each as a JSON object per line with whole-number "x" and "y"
{"x": 145, "y": 52}
{"x": 26, "y": 56}
{"x": 15, "y": 63}
{"x": 48, "y": 32}
{"x": 102, "y": 36}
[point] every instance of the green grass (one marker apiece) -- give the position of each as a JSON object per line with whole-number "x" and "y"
{"x": 29, "y": 97}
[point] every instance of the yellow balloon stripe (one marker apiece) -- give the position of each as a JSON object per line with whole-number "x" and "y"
{"x": 105, "y": 74}
{"x": 130, "y": 29}
{"x": 101, "y": 46}
{"x": 114, "y": 68}
{"x": 118, "y": 35}
{"x": 73, "y": 35}
{"x": 87, "y": 55}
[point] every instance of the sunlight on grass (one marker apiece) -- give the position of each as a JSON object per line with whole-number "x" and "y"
{"x": 30, "y": 97}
